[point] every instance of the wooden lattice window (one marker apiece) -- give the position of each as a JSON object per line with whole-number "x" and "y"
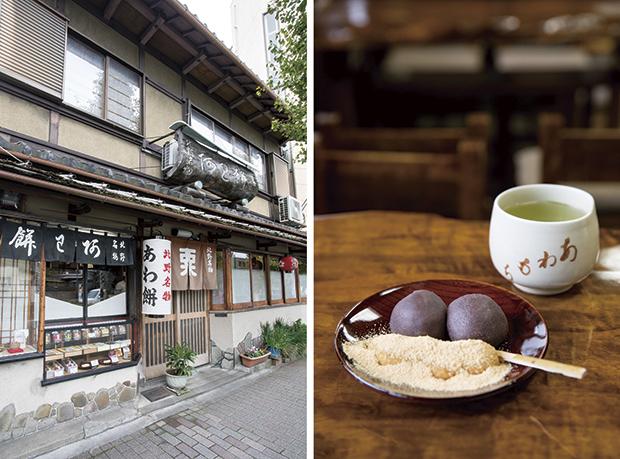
{"x": 19, "y": 306}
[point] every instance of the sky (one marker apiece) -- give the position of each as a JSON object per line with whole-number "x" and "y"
{"x": 216, "y": 14}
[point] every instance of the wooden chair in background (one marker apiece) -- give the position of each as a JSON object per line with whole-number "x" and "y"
{"x": 586, "y": 158}
{"x": 439, "y": 170}
{"x": 577, "y": 154}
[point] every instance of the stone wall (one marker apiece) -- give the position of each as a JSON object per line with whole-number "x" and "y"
{"x": 48, "y": 415}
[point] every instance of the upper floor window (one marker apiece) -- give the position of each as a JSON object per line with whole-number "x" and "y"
{"x": 223, "y": 139}
{"x": 271, "y": 29}
{"x": 203, "y": 125}
{"x": 102, "y": 86}
{"x": 241, "y": 149}
{"x": 259, "y": 163}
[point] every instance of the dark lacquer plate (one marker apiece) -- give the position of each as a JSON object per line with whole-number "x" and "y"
{"x": 527, "y": 335}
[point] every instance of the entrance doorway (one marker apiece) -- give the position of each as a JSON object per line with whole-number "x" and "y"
{"x": 188, "y": 323}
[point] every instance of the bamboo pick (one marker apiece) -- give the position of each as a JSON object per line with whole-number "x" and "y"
{"x": 550, "y": 366}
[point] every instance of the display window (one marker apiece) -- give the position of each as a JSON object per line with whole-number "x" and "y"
{"x": 19, "y": 307}
{"x": 83, "y": 292}
{"x": 72, "y": 352}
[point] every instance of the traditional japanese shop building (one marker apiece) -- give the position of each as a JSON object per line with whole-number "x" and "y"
{"x": 123, "y": 122}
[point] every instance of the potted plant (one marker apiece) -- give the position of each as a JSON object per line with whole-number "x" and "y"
{"x": 298, "y": 337}
{"x": 276, "y": 337}
{"x": 179, "y": 365}
{"x": 254, "y": 356}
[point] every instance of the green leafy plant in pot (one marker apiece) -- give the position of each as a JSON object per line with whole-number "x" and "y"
{"x": 179, "y": 365}
{"x": 298, "y": 337}
{"x": 276, "y": 337}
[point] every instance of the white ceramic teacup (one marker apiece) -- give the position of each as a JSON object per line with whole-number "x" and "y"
{"x": 544, "y": 258}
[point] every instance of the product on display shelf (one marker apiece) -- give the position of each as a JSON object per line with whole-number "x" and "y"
{"x": 67, "y": 336}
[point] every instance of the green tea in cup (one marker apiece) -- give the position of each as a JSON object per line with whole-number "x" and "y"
{"x": 545, "y": 211}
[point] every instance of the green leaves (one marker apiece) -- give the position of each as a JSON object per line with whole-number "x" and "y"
{"x": 288, "y": 338}
{"x": 290, "y": 70}
{"x": 179, "y": 359}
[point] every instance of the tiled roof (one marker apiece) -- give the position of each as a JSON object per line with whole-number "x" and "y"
{"x": 147, "y": 193}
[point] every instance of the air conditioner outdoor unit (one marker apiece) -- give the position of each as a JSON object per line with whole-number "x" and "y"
{"x": 290, "y": 210}
{"x": 169, "y": 155}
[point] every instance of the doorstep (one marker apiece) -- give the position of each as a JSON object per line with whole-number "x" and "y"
{"x": 204, "y": 379}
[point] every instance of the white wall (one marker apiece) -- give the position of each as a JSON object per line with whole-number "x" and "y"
{"x": 227, "y": 332}
{"x": 248, "y": 34}
{"x": 21, "y": 384}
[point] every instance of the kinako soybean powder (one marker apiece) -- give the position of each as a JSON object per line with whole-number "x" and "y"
{"x": 422, "y": 362}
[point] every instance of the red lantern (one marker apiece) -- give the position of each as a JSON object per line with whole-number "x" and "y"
{"x": 288, "y": 264}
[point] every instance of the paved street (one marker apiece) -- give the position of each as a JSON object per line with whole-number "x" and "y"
{"x": 264, "y": 419}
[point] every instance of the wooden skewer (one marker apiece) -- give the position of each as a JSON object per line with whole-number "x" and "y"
{"x": 565, "y": 369}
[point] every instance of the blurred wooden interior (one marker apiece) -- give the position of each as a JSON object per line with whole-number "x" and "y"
{"x": 402, "y": 169}
{"x": 398, "y": 83}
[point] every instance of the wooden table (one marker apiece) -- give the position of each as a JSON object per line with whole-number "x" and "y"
{"x": 358, "y": 254}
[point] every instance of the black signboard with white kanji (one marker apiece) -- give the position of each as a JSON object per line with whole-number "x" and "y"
{"x": 21, "y": 241}
{"x": 59, "y": 244}
{"x": 90, "y": 248}
{"x": 119, "y": 251}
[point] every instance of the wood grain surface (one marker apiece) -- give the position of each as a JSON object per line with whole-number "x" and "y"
{"x": 358, "y": 254}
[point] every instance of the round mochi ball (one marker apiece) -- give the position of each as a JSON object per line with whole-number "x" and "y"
{"x": 476, "y": 316}
{"x": 422, "y": 313}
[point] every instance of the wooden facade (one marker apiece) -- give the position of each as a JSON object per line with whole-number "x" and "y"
{"x": 182, "y": 71}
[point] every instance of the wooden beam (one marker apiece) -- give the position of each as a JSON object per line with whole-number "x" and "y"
{"x": 41, "y": 330}
{"x": 172, "y": 18}
{"x": 215, "y": 86}
{"x": 146, "y": 11}
{"x": 255, "y": 103}
{"x": 156, "y": 4}
{"x": 239, "y": 101}
{"x": 257, "y": 115}
{"x": 150, "y": 31}
{"x": 110, "y": 9}
{"x": 191, "y": 65}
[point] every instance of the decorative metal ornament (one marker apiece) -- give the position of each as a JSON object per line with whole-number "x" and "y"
{"x": 191, "y": 157}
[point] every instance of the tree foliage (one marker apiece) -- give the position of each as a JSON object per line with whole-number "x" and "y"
{"x": 289, "y": 71}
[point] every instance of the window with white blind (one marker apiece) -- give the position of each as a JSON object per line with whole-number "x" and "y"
{"x": 259, "y": 164}
{"x": 223, "y": 139}
{"x": 202, "y": 125}
{"x": 32, "y": 44}
{"x": 102, "y": 86}
{"x": 124, "y": 98}
{"x": 241, "y": 149}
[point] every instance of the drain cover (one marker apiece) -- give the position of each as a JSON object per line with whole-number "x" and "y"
{"x": 157, "y": 393}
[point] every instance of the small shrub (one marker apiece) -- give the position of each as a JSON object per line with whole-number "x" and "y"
{"x": 179, "y": 359}
{"x": 290, "y": 339}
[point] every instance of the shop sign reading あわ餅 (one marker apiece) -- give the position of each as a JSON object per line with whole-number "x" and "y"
{"x": 156, "y": 277}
